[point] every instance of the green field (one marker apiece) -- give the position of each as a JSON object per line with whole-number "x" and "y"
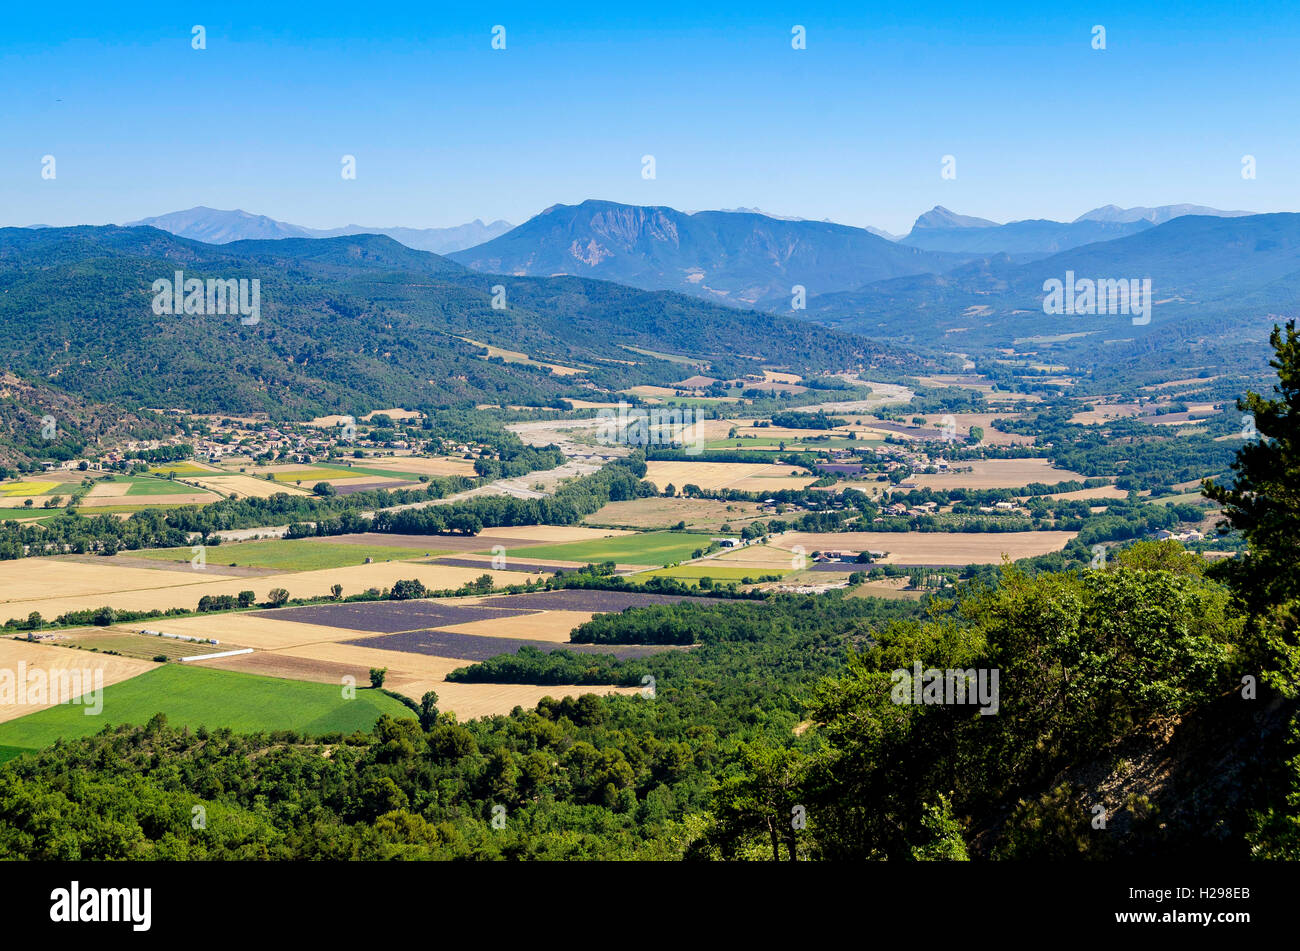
{"x": 32, "y": 512}
{"x": 199, "y": 696}
{"x": 648, "y": 548}
{"x": 145, "y": 486}
{"x": 298, "y": 554}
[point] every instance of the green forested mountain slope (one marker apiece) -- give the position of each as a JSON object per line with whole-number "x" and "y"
{"x": 350, "y": 323}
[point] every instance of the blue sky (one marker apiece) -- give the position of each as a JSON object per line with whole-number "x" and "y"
{"x": 445, "y": 129}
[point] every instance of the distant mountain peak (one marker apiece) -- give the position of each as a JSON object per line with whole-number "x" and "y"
{"x": 215, "y": 226}
{"x": 941, "y": 217}
{"x": 1156, "y": 215}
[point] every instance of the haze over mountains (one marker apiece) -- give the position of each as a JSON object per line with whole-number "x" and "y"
{"x": 213, "y": 226}
{"x": 741, "y": 257}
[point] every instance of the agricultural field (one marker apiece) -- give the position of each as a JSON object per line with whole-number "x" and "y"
{"x": 33, "y": 514}
{"x": 889, "y": 588}
{"x": 195, "y": 696}
{"x": 300, "y": 554}
{"x": 810, "y": 440}
{"x": 743, "y": 477}
{"x": 412, "y": 467}
{"x": 110, "y": 505}
{"x": 503, "y": 562}
{"x": 335, "y": 474}
{"x": 297, "y": 473}
{"x": 657, "y": 512}
{"x": 138, "y": 485}
{"x": 37, "y": 655}
{"x": 128, "y": 643}
{"x": 932, "y": 548}
{"x": 183, "y": 469}
{"x": 474, "y": 648}
{"x": 1106, "y": 412}
{"x": 555, "y": 534}
{"x": 1097, "y": 492}
{"x": 419, "y": 642}
{"x": 138, "y": 491}
{"x": 996, "y": 474}
{"x": 650, "y": 548}
{"x": 245, "y": 486}
{"x": 179, "y": 589}
{"x": 759, "y": 559}
{"x": 25, "y": 488}
{"x": 713, "y": 570}
{"x": 69, "y": 577}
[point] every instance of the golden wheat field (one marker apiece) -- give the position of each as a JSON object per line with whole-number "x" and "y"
{"x": 421, "y": 465}
{"x": 1098, "y": 492}
{"x": 996, "y": 474}
{"x": 246, "y": 487}
{"x": 177, "y": 589}
{"x": 32, "y": 579}
{"x": 757, "y": 556}
{"x": 553, "y": 626}
{"x": 50, "y": 660}
{"x": 932, "y": 548}
{"x": 744, "y": 477}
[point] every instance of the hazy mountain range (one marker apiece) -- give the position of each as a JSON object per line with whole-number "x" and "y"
{"x": 742, "y": 257}
{"x": 942, "y": 230}
{"x": 213, "y": 226}
{"x": 746, "y": 258}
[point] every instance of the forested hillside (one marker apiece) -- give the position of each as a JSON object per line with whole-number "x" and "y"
{"x": 354, "y": 323}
